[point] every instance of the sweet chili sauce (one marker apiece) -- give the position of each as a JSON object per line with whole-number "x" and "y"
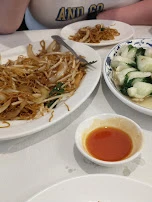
{"x": 108, "y": 144}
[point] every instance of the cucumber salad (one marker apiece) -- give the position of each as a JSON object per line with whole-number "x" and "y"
{"x": 132, "y": 71}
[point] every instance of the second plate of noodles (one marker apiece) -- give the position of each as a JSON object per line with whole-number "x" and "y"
{"x": 41, "y": 83}
{"x": 98, "y": 32}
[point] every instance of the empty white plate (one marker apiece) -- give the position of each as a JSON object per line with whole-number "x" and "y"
{"x": 96, "y": 188}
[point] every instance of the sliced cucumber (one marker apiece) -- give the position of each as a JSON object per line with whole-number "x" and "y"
{"x": 144, "y": 63}
{"x": 120, "y": 76}
{"x": 129, "y": 84}
{"x": 146, "y": 80}
{"x": 124, "y": 52}
{"x": 140, "y": 90}
{"x": 122, "y": 49}
{"x": 137, "y": 74}
{"x": 132, "y": 77}
{"x": 148, "y": 52}
{"x": 132, "y": 53}
{"x": 133, "y": 71}
{"x": 122, "y": 66}
{"x": 128, "y": 51}
{"x": 117, "y": 60}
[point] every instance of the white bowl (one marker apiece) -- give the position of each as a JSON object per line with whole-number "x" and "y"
{"x": 110, "y": 120}
{"x": 107, "y": 72}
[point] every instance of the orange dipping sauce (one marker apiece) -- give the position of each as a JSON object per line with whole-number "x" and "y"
{"x": 108, "y": 144}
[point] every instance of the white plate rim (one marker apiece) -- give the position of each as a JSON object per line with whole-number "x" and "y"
{"x": 114, "y": 176}
{"x": 128, "y": 102}
{"x": 5, "y": 133}
{"x": 94, "y": 22}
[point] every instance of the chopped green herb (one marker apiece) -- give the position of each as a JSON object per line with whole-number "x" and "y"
{"x": 57, "y": 90}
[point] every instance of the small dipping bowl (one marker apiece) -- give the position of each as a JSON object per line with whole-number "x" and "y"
{"x": 132, "y": 129}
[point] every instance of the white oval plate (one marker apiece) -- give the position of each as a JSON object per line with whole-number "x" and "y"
{"x": 88, "y": 84}
{"x": 126, "y": 31}
{"x": 96, "y": 188}
{"x": 107, "y": 72}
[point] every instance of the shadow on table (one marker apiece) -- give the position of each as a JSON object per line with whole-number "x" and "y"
{"x": 91, "y": 168}
{"x": 10, "y": 146}
{"x": 120, "y": 108}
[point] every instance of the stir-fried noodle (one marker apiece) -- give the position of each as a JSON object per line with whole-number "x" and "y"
{"x": 30, "y": 86}
{"x": 94, "y": 34}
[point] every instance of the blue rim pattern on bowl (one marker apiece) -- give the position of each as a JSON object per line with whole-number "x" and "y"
{"x": 107, "y": 72}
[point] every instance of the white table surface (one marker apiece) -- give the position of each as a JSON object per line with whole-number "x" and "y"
{"x": 32, "y": 163}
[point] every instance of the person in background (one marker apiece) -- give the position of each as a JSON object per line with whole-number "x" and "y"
{"x": 50, "y": 14}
